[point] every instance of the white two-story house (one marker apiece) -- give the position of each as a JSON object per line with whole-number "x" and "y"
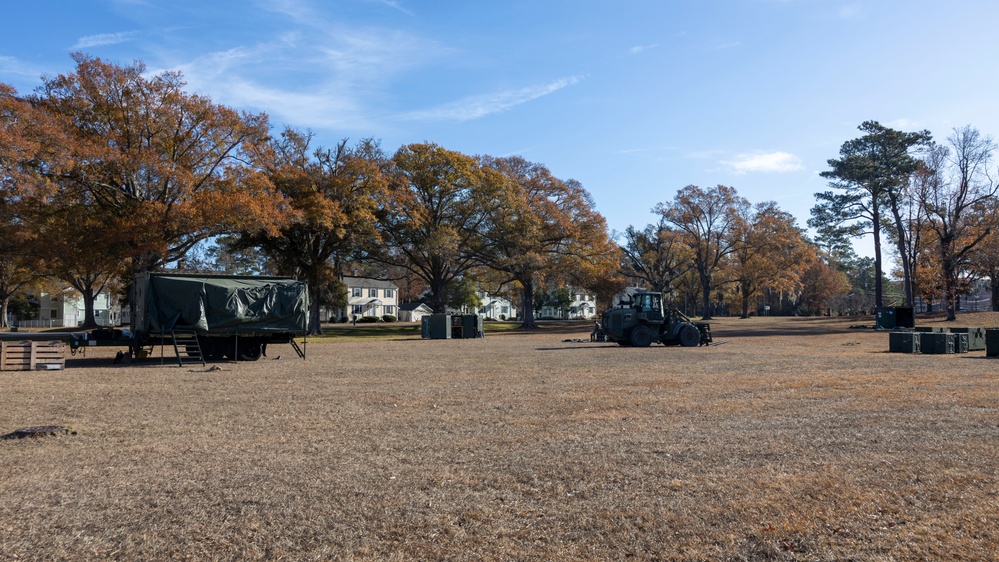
{"x": 370, "y": 297}
{"x": 496, "y": 308}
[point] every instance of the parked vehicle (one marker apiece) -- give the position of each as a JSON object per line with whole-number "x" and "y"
{"x": 640, "y": 321}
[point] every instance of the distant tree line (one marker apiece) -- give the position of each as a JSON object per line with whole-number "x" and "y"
{"x": 713, "y": 252}
{"x": 935, "y": 203}
{"x": 107, "y": 172}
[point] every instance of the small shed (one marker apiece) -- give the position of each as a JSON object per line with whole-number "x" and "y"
{"x": 413, "y": 311}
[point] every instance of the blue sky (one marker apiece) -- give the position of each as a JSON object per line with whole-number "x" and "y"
{"x": 635, "y": 99}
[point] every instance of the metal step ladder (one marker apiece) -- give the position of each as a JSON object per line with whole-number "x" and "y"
{"x": 187, "y": 347}
{"x": 297, "y": 348}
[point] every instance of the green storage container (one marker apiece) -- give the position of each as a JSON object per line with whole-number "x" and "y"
{"x": 992, "y": 342}
{"x": 437, "y": 326}
{"x": 471, "y": 325}
{"x": 976, "y": 337}
{"x": 960, "y": 342}
{"x": 892, "y": 317}
{"x": 903, "y": 342}
{"x": 936, "y": 342}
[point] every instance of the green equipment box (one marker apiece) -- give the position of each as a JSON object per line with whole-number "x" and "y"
{"x": 892, "y": 317}
{"x": 992, "y": 342}
{"x": 976, "y": 337}
{"x": 903, "y": 342}
{"x": 936, "y": 342}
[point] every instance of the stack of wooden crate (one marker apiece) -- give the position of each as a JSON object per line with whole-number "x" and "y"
{"x": 32, "y": 355}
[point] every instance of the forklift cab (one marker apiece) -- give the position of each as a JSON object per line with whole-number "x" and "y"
{"x": 649, "y": 307}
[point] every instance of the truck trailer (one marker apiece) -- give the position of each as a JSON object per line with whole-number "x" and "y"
{"x": 218, "y": 316}
{"x": 203, "y": 317}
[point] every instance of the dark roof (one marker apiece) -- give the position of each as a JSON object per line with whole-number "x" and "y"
{"x": 411, "y": 306}
{"x": 369, "y": 283}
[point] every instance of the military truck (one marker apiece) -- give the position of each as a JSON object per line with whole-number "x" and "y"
{"x": 639, "y": 320}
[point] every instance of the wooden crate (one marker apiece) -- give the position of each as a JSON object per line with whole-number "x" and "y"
{"x": 32, "y": 355}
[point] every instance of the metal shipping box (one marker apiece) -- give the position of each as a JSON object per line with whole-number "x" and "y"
{"x": 960, "y": 342}
{"x": 976, "y": 337}
{"x": 903, "y": 342}
{"x": 992, "y": 342}
{"x": 936, "y": 342}
{"x": 438, "y": 326}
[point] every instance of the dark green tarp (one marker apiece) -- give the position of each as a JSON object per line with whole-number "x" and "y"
{"x": 222, "y": 305}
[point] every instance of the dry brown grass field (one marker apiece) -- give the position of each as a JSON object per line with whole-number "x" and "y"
{"x": 795, "y": 439}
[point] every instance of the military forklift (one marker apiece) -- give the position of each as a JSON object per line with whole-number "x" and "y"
{"x": 639, "y": 320}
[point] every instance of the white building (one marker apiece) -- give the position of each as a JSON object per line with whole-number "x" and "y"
{"x": 66, "y": 310}
{"x": 496, "y": 308}
{"x": 370, "y": 297}
{"x": 581, "y": 306}
{"x": 413, "y": 311}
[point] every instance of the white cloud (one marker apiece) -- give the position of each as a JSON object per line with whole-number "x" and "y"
{"x": 902, "y": 124}
{"x": 104, "y": 39}
{"x": 479, "y": 106}
{"x": 642, "y": 48}
{"x": 765, "y": 162}
{"x": 395, "y": 5}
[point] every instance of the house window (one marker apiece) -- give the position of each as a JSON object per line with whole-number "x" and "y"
{"x": 53, "y": 314}
{"x": 356, "y": 292}
{"x": 505, "y": 310}
{"x": 389, "y": 309}
{"x": 388, "y": 293}
{"x": 357, "y": 309}
{"x": 373, "y": 293}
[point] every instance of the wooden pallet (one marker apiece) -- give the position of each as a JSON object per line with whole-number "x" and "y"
{"x": 32, "y": 355}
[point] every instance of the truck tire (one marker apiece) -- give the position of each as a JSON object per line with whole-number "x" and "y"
{"x": 250, "y": 350}
{"x": 689, "y": 336}
{"x": 641, "y": 336}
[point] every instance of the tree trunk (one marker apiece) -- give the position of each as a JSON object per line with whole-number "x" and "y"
{"x": 745, "y": 303}
{"x": 903, "y": 254}
{"x": 89, "y": 321}
{"x": 315, "y": 327}
{"x": 528, "y": 305}
{"x": 706, "y": 296}
{"x": 3, "y": 311}
{"x": 878, "y": 289}
{"x": 994, "y": 285}
{"x": 950, "y": 282}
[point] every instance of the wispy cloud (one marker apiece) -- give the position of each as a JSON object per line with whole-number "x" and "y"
{"x": 642, "y": 48}
{"x": 395, "y": 5}
{"x": 765, "y": 162}
{"x": 104, "y": 39}
{"x": 12, "y": 66}
{"x": 903, "y": 124}
{"x": 318, "y": 75}
{"x": 727, "y": 45}
{"x": 476, "y": 107}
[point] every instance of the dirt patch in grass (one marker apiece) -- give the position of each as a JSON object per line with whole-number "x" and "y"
{"x": 795, "y": 439}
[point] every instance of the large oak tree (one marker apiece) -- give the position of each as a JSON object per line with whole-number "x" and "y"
{"x": 438, "y": 201}
{"x": 335, "y": 194}
{"x": 544, "y": 230}
{"x": 709, "y": 219}
{"x": 166, "y": 168}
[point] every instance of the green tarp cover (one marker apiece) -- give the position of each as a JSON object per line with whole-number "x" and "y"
{"x": 226, "y": 305}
